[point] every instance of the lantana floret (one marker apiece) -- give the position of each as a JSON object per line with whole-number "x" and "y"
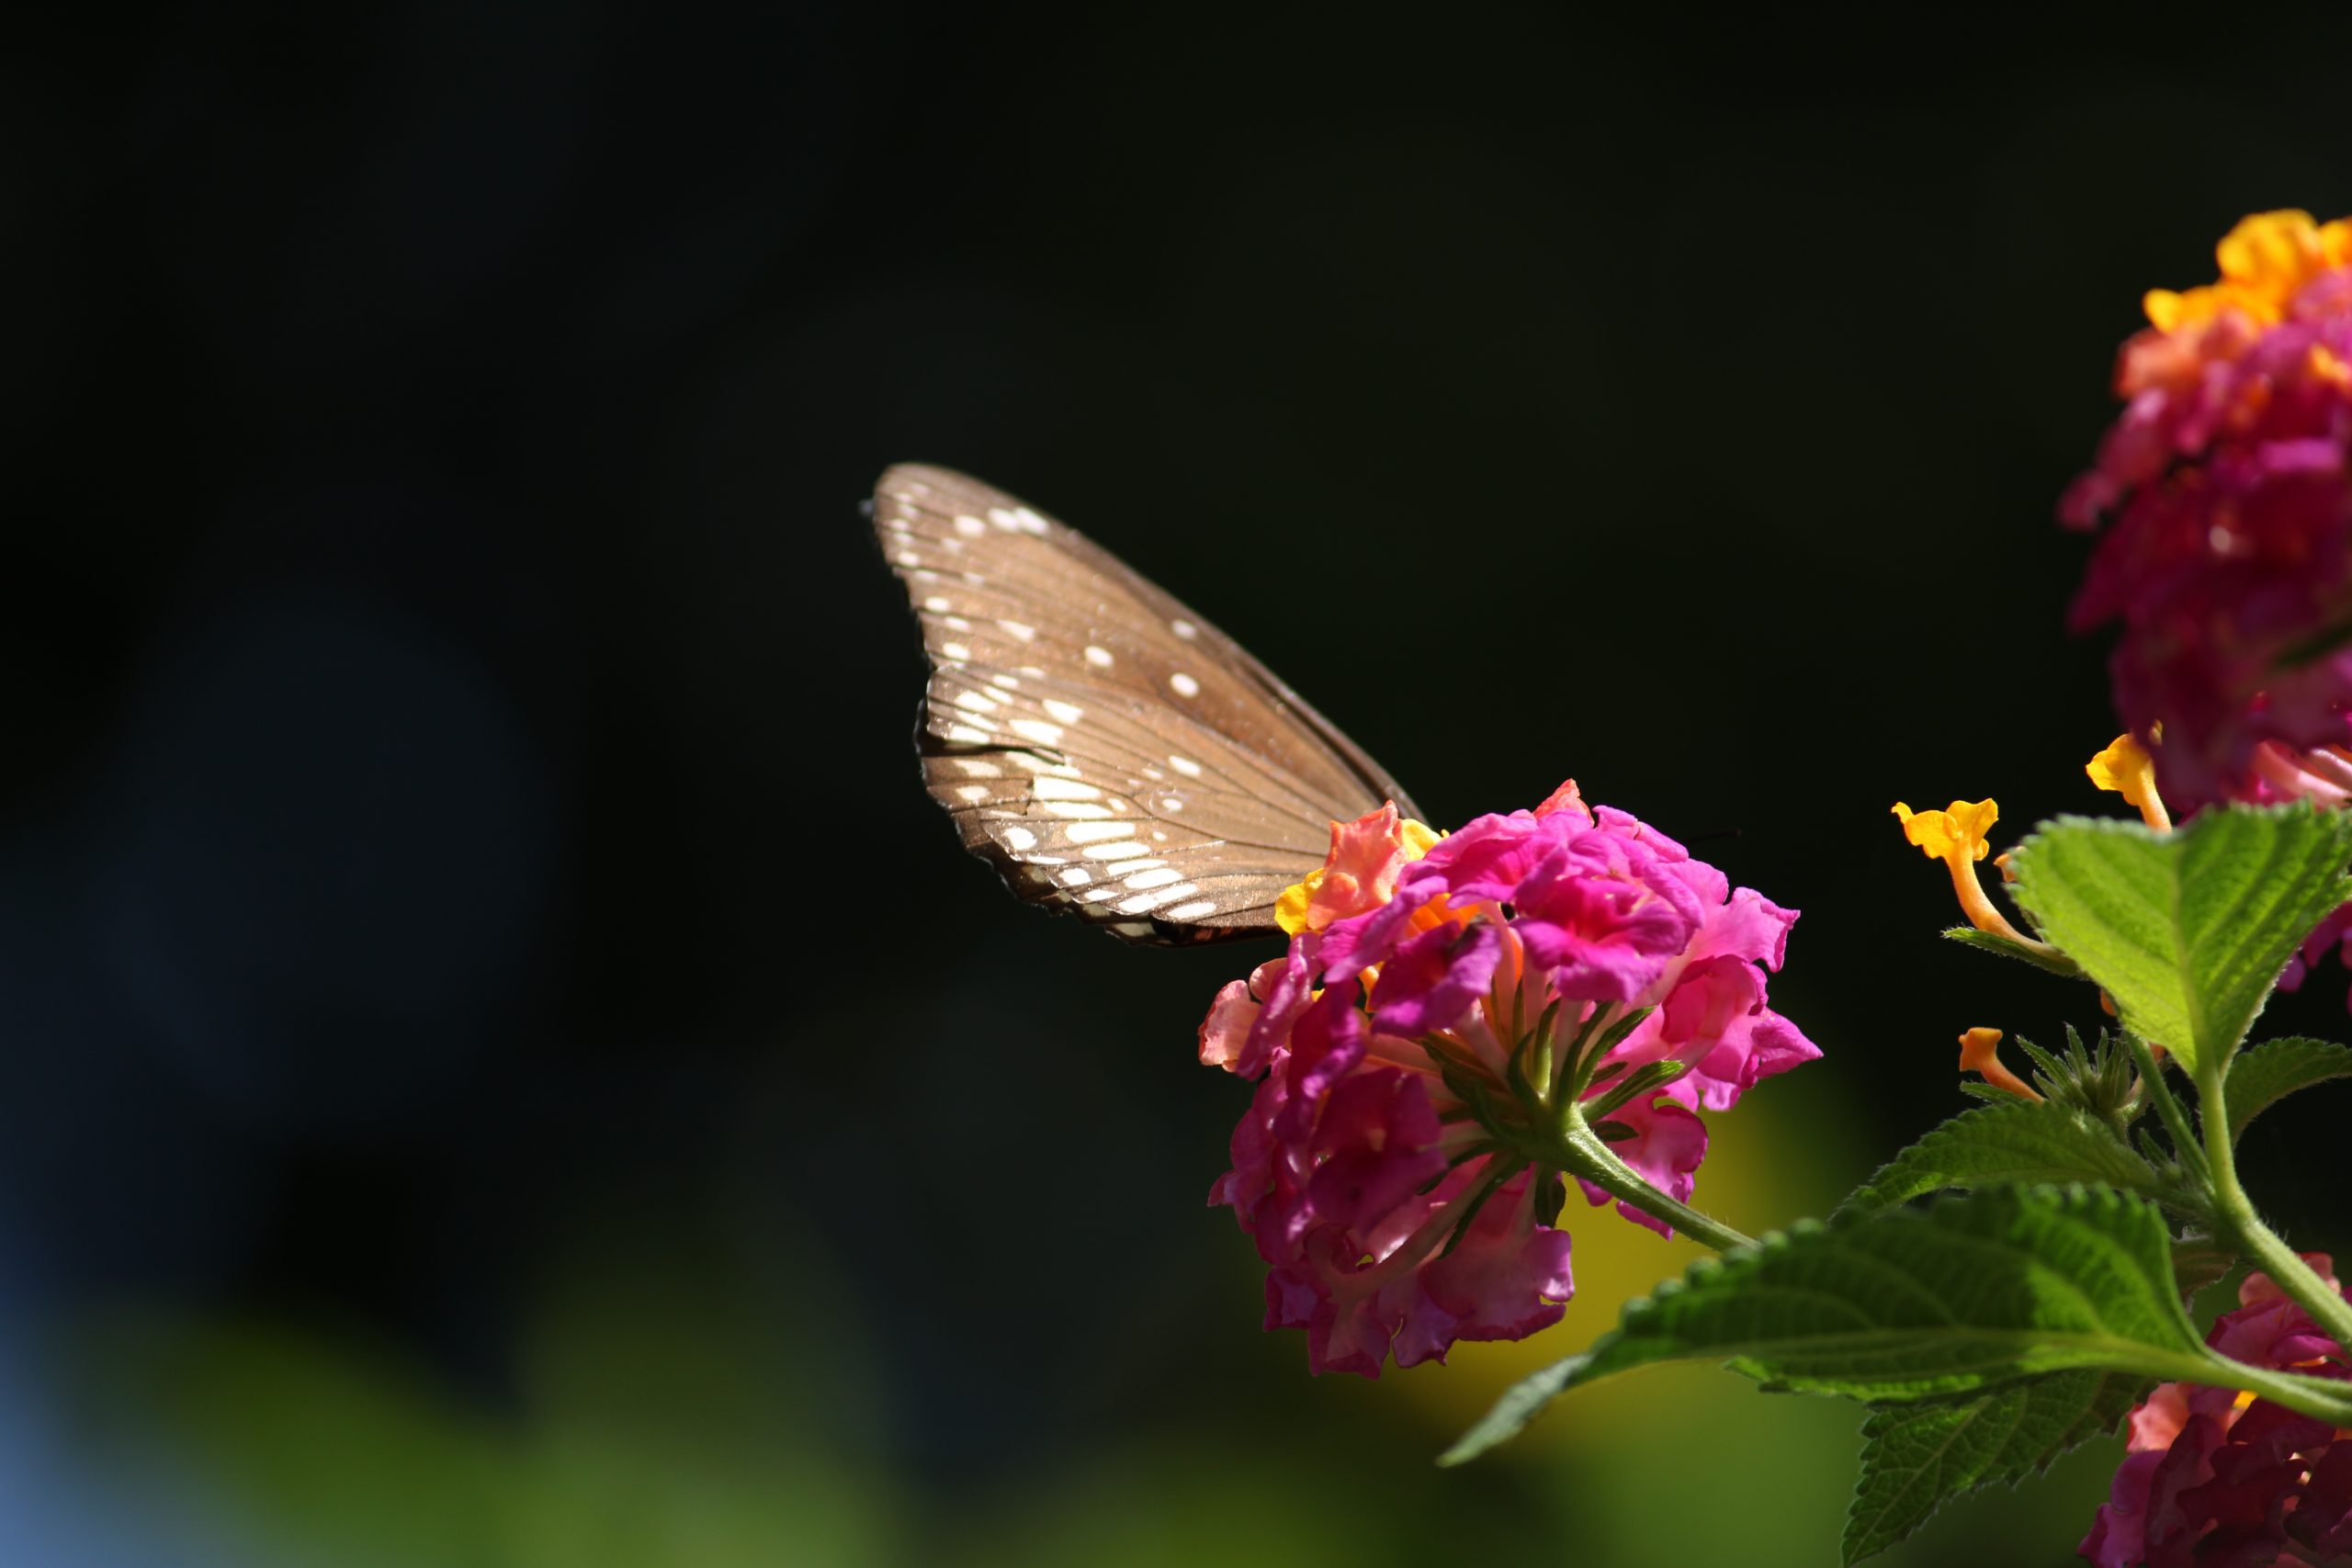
{"x": 1956, "y": 836}
{"x": 2126, "y": 768}
{"x": 1979, "y": 1054}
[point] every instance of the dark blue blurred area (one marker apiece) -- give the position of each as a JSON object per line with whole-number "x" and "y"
{"x": 463, "y": 874}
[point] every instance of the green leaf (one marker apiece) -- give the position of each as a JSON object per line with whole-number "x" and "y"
{"x": 2268, "y": 1073}
{"x": 1520, "y": 1404}
{"x": 2014, "y": 1141}
{"x": 1906, "y": 1304}
{"x": 1901, "y": 1305}
{"x": 2186, "y": 930}
{"x": 2059, "y": 964}
{"x": 2198, "y": 1260}
{"x": 1909, "y": 1304}
{"x": 1915, "y": 1457}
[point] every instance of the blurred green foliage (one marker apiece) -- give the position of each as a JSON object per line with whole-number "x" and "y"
{"x": 673, "y": 1412}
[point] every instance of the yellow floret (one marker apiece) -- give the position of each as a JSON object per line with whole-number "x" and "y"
{"x": 2264, "y": 262}
{"x": 1958, "y": 829}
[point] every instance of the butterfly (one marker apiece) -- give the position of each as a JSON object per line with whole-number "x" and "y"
{"x": 1108, "y": 751}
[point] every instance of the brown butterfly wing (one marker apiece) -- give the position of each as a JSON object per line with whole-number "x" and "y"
{"x": 1106, "y": 749}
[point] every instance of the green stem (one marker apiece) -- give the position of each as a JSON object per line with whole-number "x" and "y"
{"x": 1581, "y": 1152}
{"x": 2159, "y": 1093}
{"x": 2320, "y": 1397}
{"x": 2233, "y": 1212}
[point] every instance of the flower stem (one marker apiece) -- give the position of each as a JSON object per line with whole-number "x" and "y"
{"x": 2319, "y": 1397}
{"x": 2234, "y": 1213}
{"x": 2168, "y": 1108}
{"x": 1581, "y": 1152}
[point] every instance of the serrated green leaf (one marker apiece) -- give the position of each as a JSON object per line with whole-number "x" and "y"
{"x": 1901, "y": 1304}
{"x": 1912, "y": 1303}
{"x": 2186, "y": 931}
{"x": 1915, "y": 1457}
{"x": 2012, "y": 1141}
{"x": 1969, "y": 936}
{"x": 2268, "y": 1073}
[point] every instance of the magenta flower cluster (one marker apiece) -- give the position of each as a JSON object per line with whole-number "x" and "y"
{"x": 1415, "y": 1041}
{"x": 2214, "y": 1480}
{"x": 2226, "y": 553}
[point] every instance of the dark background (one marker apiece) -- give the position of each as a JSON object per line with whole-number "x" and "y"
{"x": 506, "y": 1065}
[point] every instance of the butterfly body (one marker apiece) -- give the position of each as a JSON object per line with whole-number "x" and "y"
{"x": 1108, "y": 751}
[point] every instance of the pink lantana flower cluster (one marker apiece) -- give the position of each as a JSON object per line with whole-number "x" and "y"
{"x": 2216, "y": 1476}
{"x": 1446, "y": 1009}
{"x": 2225, "y": 498}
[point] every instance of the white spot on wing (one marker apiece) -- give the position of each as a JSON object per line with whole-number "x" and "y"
{"x": 1098, "y": 657}
{"x": 976, "y": 701}
{"x": 1021, "y": 838}
{"x": 956, "y": 623}
{"x": 1158, "y": 876}
{"x": 971, "y": 527}
{"x": 1037, "y": 729}
{"x": 1138, "y": 904}
{"x": 1184, "y": 685}
{"x": 1018, "y": 631}
{"x": 1127, "y": 851}
{"x": 1077, "y": 810}
{"x": 1007, "y": 682}
{"x": 907, "y": 558}
{"x": 1088, "y": 832}
{"x": 1064, "y": 789}
{"x": 1078, "y": 876}
{"x": 1186, "y": 766}
{"x": 954, "y": 651}
{"x": 1191, "y": 911}
{"x": 973, "y": 792}
{"x": 1039, "y": 765}
{"x": 1067, "y": 713}
{"x": 976, "y": 769}
{"x": 1184, "y": 630}
{"x": 936, "y": 604}
{"x": 969, "y": 734}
